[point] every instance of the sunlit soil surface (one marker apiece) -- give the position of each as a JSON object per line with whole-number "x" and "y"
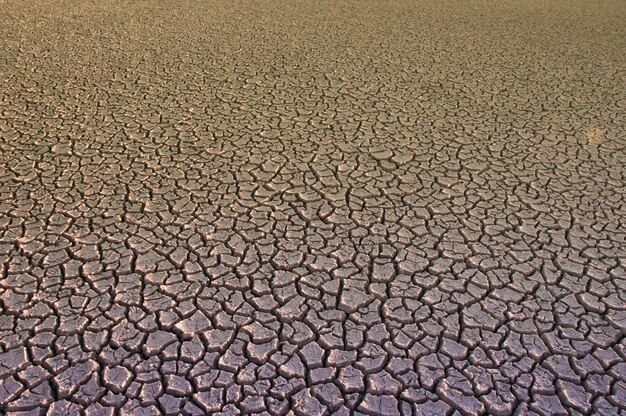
{"x": 257, "y": 207}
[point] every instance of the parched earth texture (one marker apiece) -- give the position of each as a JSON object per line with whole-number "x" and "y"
{"x": 312, "y": 208}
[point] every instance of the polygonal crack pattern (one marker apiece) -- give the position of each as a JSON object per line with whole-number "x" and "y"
{"x": 312, "y": 208}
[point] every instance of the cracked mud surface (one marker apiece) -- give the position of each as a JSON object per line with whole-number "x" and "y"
{"x": 381, "y": 208}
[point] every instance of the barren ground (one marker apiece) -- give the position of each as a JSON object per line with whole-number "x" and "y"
{"x": 331, "y": 207}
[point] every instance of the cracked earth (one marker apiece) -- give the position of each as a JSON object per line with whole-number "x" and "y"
{"x": 312, "y": 208}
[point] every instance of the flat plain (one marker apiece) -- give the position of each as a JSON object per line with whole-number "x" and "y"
{"x": 313, "y": 208}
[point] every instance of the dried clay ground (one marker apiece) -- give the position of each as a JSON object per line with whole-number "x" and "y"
{"x": 312, "y": 208}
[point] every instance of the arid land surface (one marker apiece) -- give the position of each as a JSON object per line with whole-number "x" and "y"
{"x": 323, "y": 208}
